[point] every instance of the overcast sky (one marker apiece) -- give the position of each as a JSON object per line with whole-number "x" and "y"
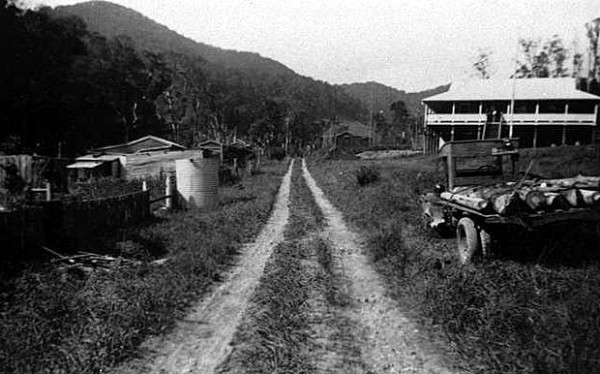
{"x": 407, "y": 44}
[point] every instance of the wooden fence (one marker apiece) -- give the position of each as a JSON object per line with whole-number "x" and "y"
{"x": 73, "y": 225}
{"x": 17, "y": 228}
{"x": 83, "y": 220}
{"x": 36, "y": 170}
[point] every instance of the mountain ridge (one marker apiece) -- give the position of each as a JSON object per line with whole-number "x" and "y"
{"x": 112, "y": 20}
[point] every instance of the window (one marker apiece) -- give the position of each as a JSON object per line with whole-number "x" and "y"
{"x": 552, "y": 106}
{"x": 477, "y": 166}
{"x": 467, "y": 107}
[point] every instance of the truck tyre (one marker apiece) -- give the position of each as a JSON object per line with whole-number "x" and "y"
{"x": 467, "y": 240}
{"x": 486, "y": 243}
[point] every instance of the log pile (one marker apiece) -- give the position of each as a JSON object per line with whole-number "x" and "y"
{"x": 529, "y": 196}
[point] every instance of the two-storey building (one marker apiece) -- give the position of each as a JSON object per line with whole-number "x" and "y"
{"x": 547, "y": 111}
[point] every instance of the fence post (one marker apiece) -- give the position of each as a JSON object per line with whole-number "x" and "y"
{"x": 48, "y": 192}
{"x": 169, "y": 192}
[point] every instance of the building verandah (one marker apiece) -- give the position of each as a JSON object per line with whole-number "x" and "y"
{"x": 546, "y": 112}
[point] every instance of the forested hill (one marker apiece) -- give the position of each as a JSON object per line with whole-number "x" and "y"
{"x": 383, "y": 96}
{"x": 234, "y": 71}
{"x": 112, "y": 20}
{"x": 216, "y": 93}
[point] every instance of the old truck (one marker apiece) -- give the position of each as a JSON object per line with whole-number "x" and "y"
{"x": 484, "y": 198}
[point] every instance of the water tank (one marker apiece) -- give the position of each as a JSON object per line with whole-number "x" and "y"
{"x": 197, "y": 182}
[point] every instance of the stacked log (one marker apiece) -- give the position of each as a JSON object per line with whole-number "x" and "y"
{"x": 556, "y": 201}
{"x": 507, "y": 203}
{"x": 472, "y": 202}
{"x": 533, "y": 199}
{"x": 529, "y": 196}
{"x": 590, "y": 198}
{"x": 573, "y": 197}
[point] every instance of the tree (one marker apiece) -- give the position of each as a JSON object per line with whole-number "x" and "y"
{"x": 482, "y": 64}
{"x": 401, "y": 128}
{"x": 593, "y": 34}
{"x": 542, "y": 60}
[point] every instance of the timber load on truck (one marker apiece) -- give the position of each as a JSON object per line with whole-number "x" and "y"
{"x": 484, "y": 196}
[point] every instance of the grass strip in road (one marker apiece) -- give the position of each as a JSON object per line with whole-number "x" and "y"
{"x": 275, "y": 335}
{"x": 502, "y": 316}
{"x": 53, "y": 321}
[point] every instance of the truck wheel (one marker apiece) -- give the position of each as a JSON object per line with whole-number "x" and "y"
{"x": 467, "y": 239}
{"x": 486, "y": 242}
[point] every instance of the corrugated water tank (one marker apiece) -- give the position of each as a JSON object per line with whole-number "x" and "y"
{"x": 197, "y": 182}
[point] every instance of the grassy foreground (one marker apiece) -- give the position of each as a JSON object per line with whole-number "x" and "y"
{"x": 502, "y": 316}
{"x": 54, "y": 321}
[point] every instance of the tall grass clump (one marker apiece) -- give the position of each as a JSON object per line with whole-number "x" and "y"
{"x": 78, "y": 320}
{"x": 505, "y": 315}
{"x": 366, "y": 175}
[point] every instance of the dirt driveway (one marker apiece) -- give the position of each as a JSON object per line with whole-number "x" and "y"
{"x": 377, "y": 336}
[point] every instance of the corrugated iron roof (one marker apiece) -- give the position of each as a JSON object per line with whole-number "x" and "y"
{"x": 524, "y": 89}
{"x": 85, "y": 165}
{"x": 97, "y": 158}
{"x": 128, "y": 148}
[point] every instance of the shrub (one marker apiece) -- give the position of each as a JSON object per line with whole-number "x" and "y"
{"x": 227, "y": 177}
{"x": 277, "y": 153}
{"x": 366, "y": 175}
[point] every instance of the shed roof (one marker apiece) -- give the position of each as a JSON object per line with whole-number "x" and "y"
{"x": 84, "y": 165}
{"x": 97, "y": 158}
{"x": 524, "y": 89}
{"x": 354, "y": 128}
{"x": 144, "y": 144}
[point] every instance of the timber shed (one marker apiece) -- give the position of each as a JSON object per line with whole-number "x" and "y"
{"x": 347, "y": 135}
{"x": 149, "y": 156}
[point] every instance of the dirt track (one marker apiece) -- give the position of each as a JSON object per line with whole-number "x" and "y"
{"x": 201, "y": 341}
{"x": 390, "y": 342}
{"x": 366, "y": 333}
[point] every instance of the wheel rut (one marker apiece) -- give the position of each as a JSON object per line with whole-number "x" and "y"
{"x": 201, "y": 341}
{"x": 389, "y": 341}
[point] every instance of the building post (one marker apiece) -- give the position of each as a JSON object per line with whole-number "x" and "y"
{"x": 512, "y": 117}
{"x": 564, "y": 130}
{"x": 479, "y": 121}
{"x": 595, "y": 128}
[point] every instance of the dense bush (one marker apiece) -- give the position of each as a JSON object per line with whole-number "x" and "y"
{"x": 276, "y": 153}
{"x": 227, "y": 176}
{"x": 366, "y": 175}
